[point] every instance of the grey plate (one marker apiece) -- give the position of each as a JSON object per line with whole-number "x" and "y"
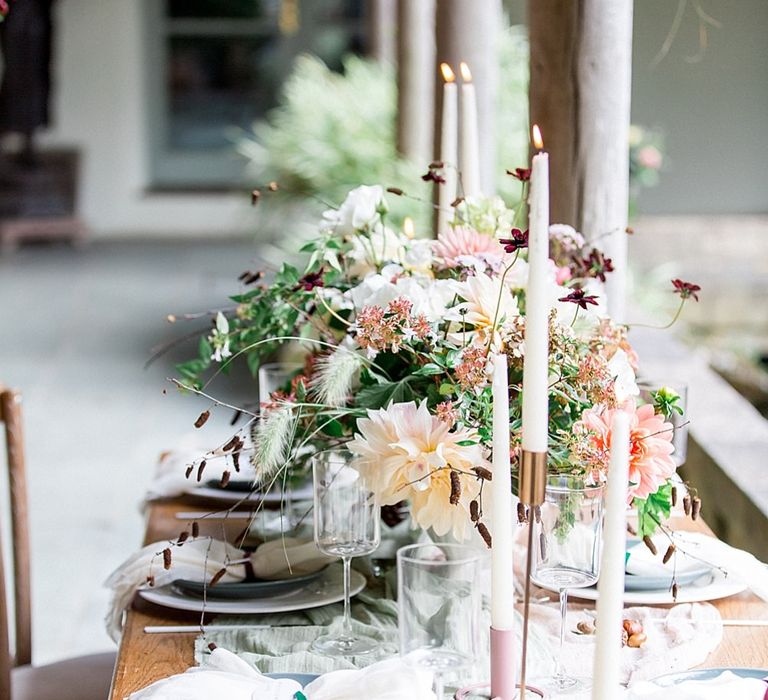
{"x": 658, "y": 583}
{"x": 244, "y": 590}
{"x": 304, "y": 678}
{"x": 706, "y": 674}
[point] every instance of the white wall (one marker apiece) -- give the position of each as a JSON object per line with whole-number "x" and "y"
{"x": 99, "y": 107}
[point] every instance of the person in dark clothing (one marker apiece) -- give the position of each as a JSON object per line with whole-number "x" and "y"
{"x": 26, "y": 46}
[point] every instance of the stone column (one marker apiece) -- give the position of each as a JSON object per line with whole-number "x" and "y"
{"x": 581, "y": 70}
{"x": 415, "y": 79}
{"x": 382, "y": 23}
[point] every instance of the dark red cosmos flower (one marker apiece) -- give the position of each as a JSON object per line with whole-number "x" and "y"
{"x": 518, "y": 241}
{"x": 4, "y": 9}
{"x": 597, "y": 265}
{"x": 686, "y": 289}
{"x": 310, "y": 281}
{"x": 522, "y": 174}
{"x": 433, "y": 176}
{"x": 579, "y": 297}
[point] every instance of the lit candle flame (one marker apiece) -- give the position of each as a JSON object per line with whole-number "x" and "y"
{"x": 466, "y": 74}
{"x": 538, "y": 142}
{"x": 447, "y": 72}
{"x": 408, "y": 228}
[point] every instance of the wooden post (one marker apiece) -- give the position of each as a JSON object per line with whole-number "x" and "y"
{"x": 467, "y": 31}
{"x": 382, "y": 21}
{"x": 581, "y": 70}
{"x": 415, "y": 81}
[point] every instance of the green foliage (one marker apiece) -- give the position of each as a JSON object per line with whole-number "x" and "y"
{"x": 653, "y": 510}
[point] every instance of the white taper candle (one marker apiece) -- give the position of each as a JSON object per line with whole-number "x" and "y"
{"x": 469, "y": 158}
{"x": 502, "y": 589}
{"x": 610, "y": 586}
{"x": 449, "y": 147}
{"x": 536, "y": 361}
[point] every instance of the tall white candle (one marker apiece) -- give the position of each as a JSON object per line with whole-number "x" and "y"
{"x": 449, "y": 147}
{"x": 469, "y": 157}
{"x": 502, "y": 590}
{"x": 610, "y": 586}
{"x": 536, "y": 362}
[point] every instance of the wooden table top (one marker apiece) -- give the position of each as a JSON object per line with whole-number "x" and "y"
{"x": 145, "y": 658}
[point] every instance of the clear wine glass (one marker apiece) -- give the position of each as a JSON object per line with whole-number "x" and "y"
{"x": 275, "y": 376}
{"x": 346, "y": 525}
{"x": 648, "y": 387}
{"x": 440, "y": 608}
{"x": 567, "y": 540}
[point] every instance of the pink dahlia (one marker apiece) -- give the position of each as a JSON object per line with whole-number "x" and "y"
{"x": 457, "y": 243}
{"x": 650, "y": 463}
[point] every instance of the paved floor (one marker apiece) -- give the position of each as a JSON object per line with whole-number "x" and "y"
{"x": 76, "y": 327}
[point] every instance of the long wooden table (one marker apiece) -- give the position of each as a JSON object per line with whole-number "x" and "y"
{"x": 145, "y": 658}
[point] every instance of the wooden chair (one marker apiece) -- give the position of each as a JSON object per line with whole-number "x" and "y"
{"x": 82, "y": 678}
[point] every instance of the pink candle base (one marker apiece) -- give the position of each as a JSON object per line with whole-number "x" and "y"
{"x": 503, "y": 666}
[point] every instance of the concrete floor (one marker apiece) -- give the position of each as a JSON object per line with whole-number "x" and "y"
{"x": 76, "y": 327}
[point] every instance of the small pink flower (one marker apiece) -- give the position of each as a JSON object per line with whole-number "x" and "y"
{"x": 453, "y": 244}
{"x": 650, "y": 463}
{"x": 649, "y": 157}
{"x": 563, "y": 274}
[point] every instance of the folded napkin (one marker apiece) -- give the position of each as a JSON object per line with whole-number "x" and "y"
{"x": 196, "y": 560}
{"x": 199, "y": 560}
{"x": 695, "y": 548}
{"x": 288, "y": 556}
{"x": 726, "y": 685}
{"x": 227, "y": 676}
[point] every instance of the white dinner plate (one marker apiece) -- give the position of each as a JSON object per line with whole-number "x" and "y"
{"x": 272, "y": 498}
{"x": 329, "y": 588}
{"x": 711, "y": 586}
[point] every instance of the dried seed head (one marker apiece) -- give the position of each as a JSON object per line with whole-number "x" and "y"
{"x": 200, "y": 470}
{"x": 217, "y": 576}
{"x": 455, "y": 203}
{"x": 202, "y": 419}
{"x": 455, "y": 488}
{"x": 695, "y": 507}
{"x": 673, "y": 496}
{"x": 631, "y": 530}
{"x": 687, "y": 504}
{"x": 522, "y": 513}
{"x": 474, "y": 511}
{"x": 483, "y": 473}
{"x": 674, "y": 591}
{"x": 150, "y": 580}
{"x": 167, "y": 558}
{"x": 225, "y": 479}
{"x": 542, "y": 544}
{"x": 183, "y": 537}
{"x": 235, "y": 416}
{"x": 668, "y": 554}
{"x": 189, "y": 470}
{"x": 236, "y": 461}
{"x": 395, "y": 191}
{"x": 212, "y": 646}
{"x": 255, "y": 196}
{"x": 195, "y": 529}
{"x": 649, "y": 543}
{"x": 483, "y": 530}
{"x": 232, "y": 442}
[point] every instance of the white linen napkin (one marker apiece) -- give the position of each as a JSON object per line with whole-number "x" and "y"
{"x": 227, "y": 676}
{"x": 726, "y": 685}
{"x": 224, "y": 676}
{"x": 196, "y": 560}
{"x": 696, "y": 547}
{"x": 288, "y": 556}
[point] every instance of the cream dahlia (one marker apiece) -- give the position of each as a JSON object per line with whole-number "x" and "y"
{"x": 482, "y": 295}
{"x": 405, "y": 452}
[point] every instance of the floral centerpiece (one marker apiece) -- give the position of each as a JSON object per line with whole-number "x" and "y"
{"x": 396, "y": 333}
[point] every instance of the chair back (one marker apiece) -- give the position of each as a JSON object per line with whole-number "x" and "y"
{"x": 10, "y": 417}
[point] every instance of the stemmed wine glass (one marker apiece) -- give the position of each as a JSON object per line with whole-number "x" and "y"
{"x": 567, "y": 541}
{"x": 439, "y": 596}
{"x": 346, "y": 526}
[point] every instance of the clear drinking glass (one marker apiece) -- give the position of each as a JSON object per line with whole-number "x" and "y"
{"x": 567, "y": 539}
{"x": 679, "y": 421}
{"x": 275, "y": 376}
{"x": 439, "y": 595}
{"x": 346, "y": 525}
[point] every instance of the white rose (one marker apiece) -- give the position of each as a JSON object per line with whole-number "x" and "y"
{"x": 359, "y": 210}
{"x": 623, "y": 375}
{"x": 418, "y": 257}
